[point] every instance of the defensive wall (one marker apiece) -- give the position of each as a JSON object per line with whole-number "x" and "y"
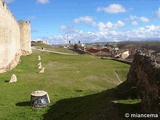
{"x": 143, "y": 81}
{"x": 144, "y": 74}
{"x": 15, "y": 38}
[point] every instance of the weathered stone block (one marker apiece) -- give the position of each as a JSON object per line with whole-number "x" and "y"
{"x": 39, "y": 98}
{"x": 42, "y": 70}
{"x": 39, "y": 57}
{"x": 13, "y": 78}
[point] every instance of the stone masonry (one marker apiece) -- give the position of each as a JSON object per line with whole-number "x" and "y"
{"x": 15, "y": 38}
{"x": 144, "y": 74}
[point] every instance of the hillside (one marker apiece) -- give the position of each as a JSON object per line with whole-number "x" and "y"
{"x": 80, "y": 87}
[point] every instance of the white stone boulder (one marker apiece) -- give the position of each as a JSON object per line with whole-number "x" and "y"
{"x": 40, "y": 66}
{"x": 39, "y": 63}
{"x": 39, "y": 57}
{"x": 13, "y": 78}
{"x": 42, "y": 70}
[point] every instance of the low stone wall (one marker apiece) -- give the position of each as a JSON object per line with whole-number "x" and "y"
{"x": 123, "y": 60}
{"x": 144, "y": 74}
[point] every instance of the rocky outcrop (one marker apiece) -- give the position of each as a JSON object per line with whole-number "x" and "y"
{"x": 144, "y": 74}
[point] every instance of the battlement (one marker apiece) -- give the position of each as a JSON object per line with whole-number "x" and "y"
{"x": 7, "y": 10}
{"x": 23, "y": 22}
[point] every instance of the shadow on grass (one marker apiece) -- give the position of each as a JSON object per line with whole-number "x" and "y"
{"x": 7, "y": 81}
{"x": 23, "y": 104}
{"x": 127, "y": 108}
{"x": 92, "y": 107}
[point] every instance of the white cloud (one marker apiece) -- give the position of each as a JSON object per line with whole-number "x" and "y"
{"x": 144, "y": 19}
{"x": 119, "y": 24}
{"x": 43, "y": 1}
{"x": 65, "y": 27}
{"x": 144, "y": 33}
{"x": 113, "y": 33}
{"x": 93, "y": 24}
{"x": 69, "y": 29}
{"x": 31, "y": 18}
{"x": 102, "y": 26}
{"x": 135, "y": 20}
{"x": 85, "y": 19}
{"x": 73, "y": 31}
{"x": 151, "y": 28}
{"x": 33, "y": 31}
{"x": 151, "y": 32}
{"x": 112, "y": 9}
{"x": 157, "y": 14}
{"x": 132, "y": 17}
{"x": 8, "y": 1}
{"x": 134, "y": 23}
{"x": 109, "y": 25}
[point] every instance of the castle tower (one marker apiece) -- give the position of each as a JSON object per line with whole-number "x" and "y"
{"x": 25, "y": 37}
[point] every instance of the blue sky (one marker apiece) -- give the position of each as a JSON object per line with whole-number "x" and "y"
{"x": 59, "y": 21}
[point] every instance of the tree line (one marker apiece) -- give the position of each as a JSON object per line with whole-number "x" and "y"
{"x": 154, "y": 45}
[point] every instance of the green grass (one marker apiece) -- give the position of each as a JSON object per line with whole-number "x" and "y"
{"x": 53, "y": 48}
{"x": 129, "y": 101}
{"x": 130, "y": 106}
{"x": 78, "y": 86}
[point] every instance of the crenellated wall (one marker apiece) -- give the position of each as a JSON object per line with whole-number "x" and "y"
{"x": 14, "y": 39}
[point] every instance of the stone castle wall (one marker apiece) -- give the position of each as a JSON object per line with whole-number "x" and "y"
{"x": 14, "y": 38}
{"x": 144, "y": 74}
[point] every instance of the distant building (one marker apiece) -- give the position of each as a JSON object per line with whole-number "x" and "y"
{"x": 65, "y": 46}
{"x": 125, "y": 54}
{"x": 151, "y": 52}
{"x": 92, "y": 50}
{"x": 116, "y": 49}
{"x": 43, "y": 41}
{"x": 106, "y": 50}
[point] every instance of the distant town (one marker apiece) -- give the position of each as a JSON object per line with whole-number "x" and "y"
{"x": 118, "y": 50}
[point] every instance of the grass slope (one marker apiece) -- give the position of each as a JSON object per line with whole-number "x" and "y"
{"x": 75, "y": 84}
{"x": 53, "y": 48}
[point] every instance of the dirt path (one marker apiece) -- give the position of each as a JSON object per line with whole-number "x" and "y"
{"x": 55, "y": 52}
{"x": 118, "y": 78}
